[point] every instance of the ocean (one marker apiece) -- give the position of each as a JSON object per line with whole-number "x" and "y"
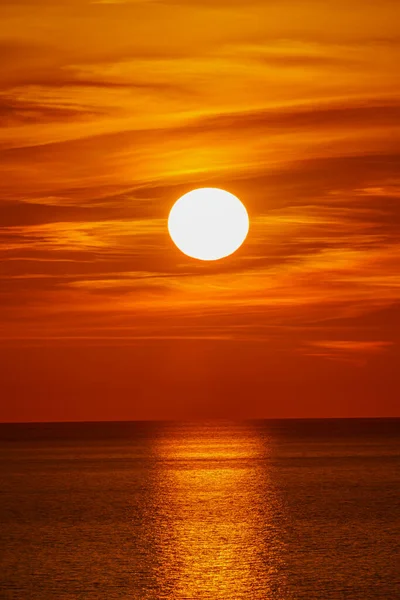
{"x": 285, "y": 510}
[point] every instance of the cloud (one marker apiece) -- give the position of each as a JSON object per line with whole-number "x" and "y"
{"x": 355, "y": 352}
{"x": 352, "y": 346}
{"x": 18, "y": 112}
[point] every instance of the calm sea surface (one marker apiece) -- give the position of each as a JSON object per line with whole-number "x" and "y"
{"x": 254, "y": 510}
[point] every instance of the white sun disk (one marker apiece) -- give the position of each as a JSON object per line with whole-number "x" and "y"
{"x": 208, "y": 223}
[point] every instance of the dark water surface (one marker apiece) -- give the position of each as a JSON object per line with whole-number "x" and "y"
{"x": 280, "y": 510}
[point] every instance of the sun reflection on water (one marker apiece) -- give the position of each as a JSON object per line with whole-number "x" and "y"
{"x": 217, "y": 509}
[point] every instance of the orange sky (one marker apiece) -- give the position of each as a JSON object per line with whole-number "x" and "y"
{"x": 111, "y": 110}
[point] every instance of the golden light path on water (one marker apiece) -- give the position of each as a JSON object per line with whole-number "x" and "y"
{"x": 218, "y": 505}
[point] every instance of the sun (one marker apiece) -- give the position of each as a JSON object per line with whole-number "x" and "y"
{"x": 208, "y": 223}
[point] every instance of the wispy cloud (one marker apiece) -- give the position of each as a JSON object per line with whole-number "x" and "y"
{"x": 354, "y": 352}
